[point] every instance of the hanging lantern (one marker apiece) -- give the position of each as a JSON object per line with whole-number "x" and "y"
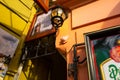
{"x": 58, "y": 16}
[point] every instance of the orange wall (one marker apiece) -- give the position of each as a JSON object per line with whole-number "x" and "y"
{"x": 94, "y": 16}
{"x": 97, "y": 10}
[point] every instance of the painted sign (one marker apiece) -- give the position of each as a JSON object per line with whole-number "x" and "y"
{"x": 110, "y": 70}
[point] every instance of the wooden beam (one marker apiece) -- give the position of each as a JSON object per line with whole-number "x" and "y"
{"x": 44, "y": 4}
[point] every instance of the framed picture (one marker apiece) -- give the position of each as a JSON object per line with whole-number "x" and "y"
{"x": 8, "y": 46}
{"x": 103, "y": 54}
{"x": 8, "y": 43}
{"x": 40, "y": 26}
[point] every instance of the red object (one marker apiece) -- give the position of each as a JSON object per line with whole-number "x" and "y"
{"x": 115, "y": 53}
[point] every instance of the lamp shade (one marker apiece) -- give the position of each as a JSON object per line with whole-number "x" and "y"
{"x": 58, "y": 16}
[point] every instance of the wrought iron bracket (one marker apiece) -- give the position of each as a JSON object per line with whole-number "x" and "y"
{"x": 72, "y": 68}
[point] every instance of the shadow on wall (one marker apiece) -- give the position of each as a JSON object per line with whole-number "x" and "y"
{"x": 38, "y": 70}
{"x": 52, "y": 67}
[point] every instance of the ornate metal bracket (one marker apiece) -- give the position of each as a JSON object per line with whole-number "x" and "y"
{"x": 39, "y": 47}
{"x": 72, "y": 68}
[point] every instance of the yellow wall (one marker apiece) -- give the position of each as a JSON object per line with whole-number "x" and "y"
{"x": 16, "y": 17}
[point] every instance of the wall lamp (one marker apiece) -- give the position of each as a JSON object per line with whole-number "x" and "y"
{"x": 58, "y": 16}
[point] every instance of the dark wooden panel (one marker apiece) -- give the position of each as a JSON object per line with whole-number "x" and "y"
{"x": 72, "y": 4}
{"x": 44, "y": 4}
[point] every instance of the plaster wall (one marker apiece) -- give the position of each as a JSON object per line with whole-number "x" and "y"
{"x": 94, "y": 16}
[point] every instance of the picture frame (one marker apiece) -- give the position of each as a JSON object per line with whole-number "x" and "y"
{"x": 9, "y": 42}
{"x": 43, "y": 21}
{"x": 102, "y": 51}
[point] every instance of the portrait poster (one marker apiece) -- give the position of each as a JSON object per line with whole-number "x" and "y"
{"x": 103, "y": 54}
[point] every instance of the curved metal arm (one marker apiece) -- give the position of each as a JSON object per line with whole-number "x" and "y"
{"x": 82, "y": 61}
{"x": 76, "y": 61}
